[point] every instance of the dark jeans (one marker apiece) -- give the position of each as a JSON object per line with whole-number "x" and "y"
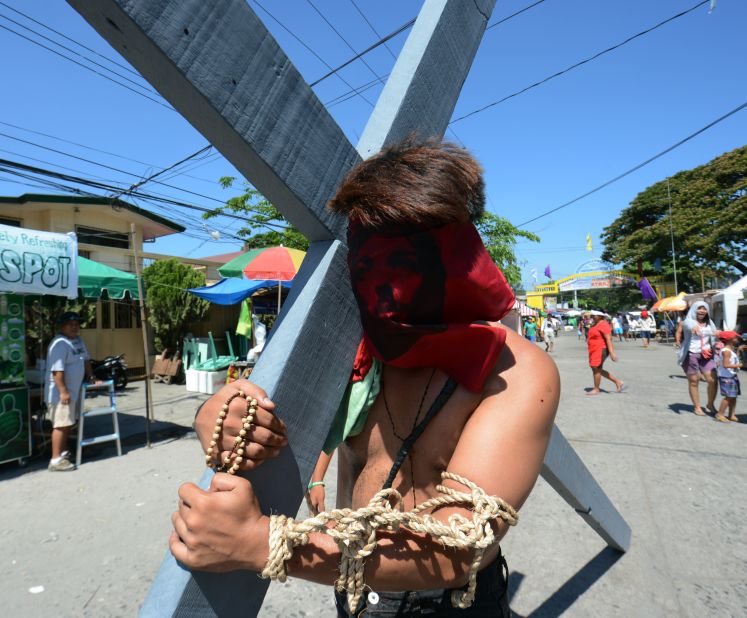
{"x": 491, "y": 599}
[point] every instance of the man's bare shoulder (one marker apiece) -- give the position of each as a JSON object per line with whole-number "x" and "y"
{"x": 525, "y": 381}
{"x": 503, "y": 444}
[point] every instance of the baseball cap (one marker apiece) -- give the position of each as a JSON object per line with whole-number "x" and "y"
{"x": 69, "y": 316}
{"x": 728, "y": 335}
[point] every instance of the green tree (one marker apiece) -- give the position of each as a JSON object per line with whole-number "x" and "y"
{"x": 612, "y": 300}
{"x": 171, "y": 309}
{"x": 500, "y": 236}
{"x": 260, "y": 214}
{"x": 42, "y": 314}
{"x": 709, "y": 221}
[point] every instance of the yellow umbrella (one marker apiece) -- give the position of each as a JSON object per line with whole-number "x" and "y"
{"x": 671, "y": 303}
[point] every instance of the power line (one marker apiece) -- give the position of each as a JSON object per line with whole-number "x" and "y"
{"x": 344, "y": 40}
{"x": 317, "y": 56}
{"x": 67, "y": 38}
{"x": 346, "y": 95}
{"x": 519, "y": 12}
{"x": 80, "y": 64}
{"x": 106, "y": 152}
{"x": 581, "y": 63}
{"x": 370, "y": 25}
{"x": 137, "y": 185}
{"x": 109, "y": 167}
{"x": 4, "y": 163}
{"x": 72, "y": 51}
{"x": 184, "y": 219}
{"x": 335, "y": 71}
{"x": 639, "y": 166}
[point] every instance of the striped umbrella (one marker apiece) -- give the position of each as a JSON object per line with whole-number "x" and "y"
{"x": 267, "y": 263}
{"x": 273, "y": 263}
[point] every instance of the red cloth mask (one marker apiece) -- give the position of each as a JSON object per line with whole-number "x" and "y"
{"x": 425, "y": 298}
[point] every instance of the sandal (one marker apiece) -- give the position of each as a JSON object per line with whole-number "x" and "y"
{"x": 721, "y": 419}
{"x": 699, "y": 412}
{"x": 733, "y": 419}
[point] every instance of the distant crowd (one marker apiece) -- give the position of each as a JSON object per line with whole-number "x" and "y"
{"x": 705, "y": 353}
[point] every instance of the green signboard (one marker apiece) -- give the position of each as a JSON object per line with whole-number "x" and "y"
{"x": 15, "y": 440}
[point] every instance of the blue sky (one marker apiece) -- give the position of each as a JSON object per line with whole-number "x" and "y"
{"x": 539, "y": 149}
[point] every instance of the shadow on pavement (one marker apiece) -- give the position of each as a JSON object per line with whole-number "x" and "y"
{"x": 679, "y": 408}
{"x": 132, "y": 436}
{"x": 562, "y": 599}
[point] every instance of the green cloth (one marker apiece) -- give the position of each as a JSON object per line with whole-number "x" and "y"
{"x": 530, "y": 329}
{"x": 94, "y": 278}
{"x": 244, "y": 327}
{"x": 353, "y": 411}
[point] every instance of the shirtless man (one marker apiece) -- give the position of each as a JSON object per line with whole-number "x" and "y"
{"x": 429, "y": 307}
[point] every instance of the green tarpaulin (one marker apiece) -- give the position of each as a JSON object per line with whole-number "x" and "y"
{"x": 94, "y": 278}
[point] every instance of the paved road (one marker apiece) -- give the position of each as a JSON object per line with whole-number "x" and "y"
{"x": 94, "y": 538}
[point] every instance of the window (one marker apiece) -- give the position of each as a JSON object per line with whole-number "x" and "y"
{"x": 123, "y": 311}
{"x": 126, "y": 313}
{"x": 106, "y": 316}
{"x": 103, "y": 238}
{"x": 13, "y": 222}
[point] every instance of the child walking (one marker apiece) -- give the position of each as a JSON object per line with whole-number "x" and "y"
{"x": 728, "y": 375}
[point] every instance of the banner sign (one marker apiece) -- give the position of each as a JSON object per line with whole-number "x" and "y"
{"x": 35, "y": 262}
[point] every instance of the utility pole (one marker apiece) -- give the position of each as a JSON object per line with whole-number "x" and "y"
{"x": 148, "y": 394}
{"x": 671, "y": 236}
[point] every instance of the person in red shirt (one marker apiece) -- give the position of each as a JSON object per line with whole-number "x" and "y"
{"x": 600, "y": 346}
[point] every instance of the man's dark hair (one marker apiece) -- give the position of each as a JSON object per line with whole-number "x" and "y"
{"x": 426, "y": 184}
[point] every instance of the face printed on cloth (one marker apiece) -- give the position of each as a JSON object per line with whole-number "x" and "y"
{"x": 400, "y": 279}
{"x": 425, "y": 297}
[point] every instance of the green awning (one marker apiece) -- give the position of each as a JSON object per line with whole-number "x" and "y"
{"x": 94, "y": 278}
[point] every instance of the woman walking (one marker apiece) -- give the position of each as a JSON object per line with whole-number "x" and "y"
{"x": 695, "y": 354}
{"x": 599, "y": 343}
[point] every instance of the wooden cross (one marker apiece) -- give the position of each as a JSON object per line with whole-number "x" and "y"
{"x": 219, "y": 67}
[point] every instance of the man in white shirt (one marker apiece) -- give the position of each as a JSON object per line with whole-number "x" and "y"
{"x": 68, "y": 364}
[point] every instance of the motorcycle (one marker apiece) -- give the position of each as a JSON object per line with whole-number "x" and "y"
{"x": 111, "y": 368}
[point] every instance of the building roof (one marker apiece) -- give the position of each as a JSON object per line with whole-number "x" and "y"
{"x": 148, "y": 231}
{"x": 223, "y": 258}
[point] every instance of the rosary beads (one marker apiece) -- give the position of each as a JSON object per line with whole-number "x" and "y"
{"x": 233, "y": 459}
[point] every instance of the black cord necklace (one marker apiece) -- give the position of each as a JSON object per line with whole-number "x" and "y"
{"x": 414, "y": 424}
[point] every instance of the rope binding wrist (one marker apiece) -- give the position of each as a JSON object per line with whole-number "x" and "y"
{"x": 355, "y": 533}
{"x": 233, "y": 459}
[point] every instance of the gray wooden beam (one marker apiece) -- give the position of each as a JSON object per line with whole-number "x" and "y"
{"x": 220, "y": 68}
{"x": 217, "y": 64}
{"x": 319, "y": 314}
{"x": 567, "y": 474}
{"x": 188, "y": 52}
{"x": 424, "y": 86}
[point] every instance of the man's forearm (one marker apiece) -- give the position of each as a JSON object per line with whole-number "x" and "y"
{"x": 401, "y": 561}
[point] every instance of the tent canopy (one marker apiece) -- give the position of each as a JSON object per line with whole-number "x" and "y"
{"x": 730, "y": 298}
{"x": 231, "y": 291}
{"x": 94, "y": 278}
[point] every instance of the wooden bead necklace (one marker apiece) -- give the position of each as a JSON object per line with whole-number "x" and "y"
{"x": 232, "y": 461}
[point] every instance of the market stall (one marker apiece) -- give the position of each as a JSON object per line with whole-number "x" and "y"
{"x": 31, "y": 263}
